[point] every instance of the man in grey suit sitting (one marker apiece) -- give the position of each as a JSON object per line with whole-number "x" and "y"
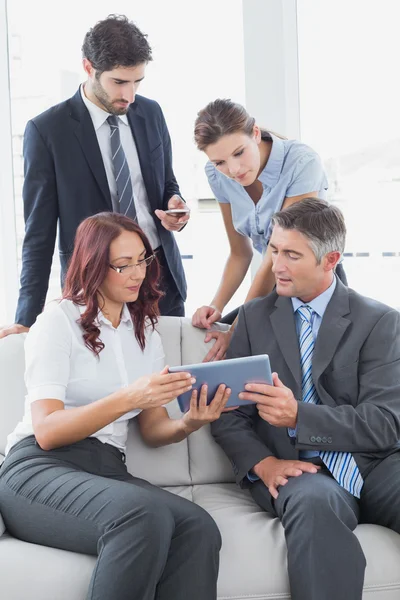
{"x": 319, "y": 449}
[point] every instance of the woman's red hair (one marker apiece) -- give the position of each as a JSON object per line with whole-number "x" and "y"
{"x": 89, "y": 267}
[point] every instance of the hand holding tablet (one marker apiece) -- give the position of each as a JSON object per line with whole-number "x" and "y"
{"x": 200, "y": 413}
{"x": 235, "y": 373}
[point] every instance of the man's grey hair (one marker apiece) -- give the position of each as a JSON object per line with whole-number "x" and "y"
{"x": 320, "y": 222}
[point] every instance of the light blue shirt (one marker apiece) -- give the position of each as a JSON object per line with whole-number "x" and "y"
{"x": 292, "y": 169}
{"x": 318, "y": 306}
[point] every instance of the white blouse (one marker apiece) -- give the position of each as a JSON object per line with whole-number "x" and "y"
{"x": 58, "y": 365}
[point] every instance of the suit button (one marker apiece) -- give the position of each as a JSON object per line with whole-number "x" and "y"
{"x": 329, "y": 440}
{"x": 324, "y": 440}
{"x": 319, "y": 440}
{"x": 312, "y": 439}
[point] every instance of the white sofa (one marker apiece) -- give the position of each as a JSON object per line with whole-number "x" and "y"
{"x": 253, "y": 557}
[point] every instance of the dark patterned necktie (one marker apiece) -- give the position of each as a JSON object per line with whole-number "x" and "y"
{"x": 122, "y": 173}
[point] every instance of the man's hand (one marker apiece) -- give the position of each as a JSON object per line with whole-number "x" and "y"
{"x": 275, "y": 472}
{"x": 5, "y": 331}
{"x": 173, "y": 222}
{"x": 275, "y": 403}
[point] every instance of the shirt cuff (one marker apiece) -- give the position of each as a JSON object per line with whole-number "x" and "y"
{"x": 252, "y": 477}
{"x": 292, "y": 432}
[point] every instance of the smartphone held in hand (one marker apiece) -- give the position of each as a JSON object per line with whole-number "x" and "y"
{"x": 177, "y": 211}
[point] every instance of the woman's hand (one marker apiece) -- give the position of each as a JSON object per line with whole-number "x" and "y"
{"x": 152, "y": 391}
{"x": 200, "y": 413}
{"x": 205, "y": 316}
{"x": 222, "y": 341}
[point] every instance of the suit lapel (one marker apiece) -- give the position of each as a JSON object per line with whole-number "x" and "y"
{"x": 84, "y": 131}
{"x": 284, "y": 326}
{"x": 333, "y": 326}
{"x": 138, "y": 127}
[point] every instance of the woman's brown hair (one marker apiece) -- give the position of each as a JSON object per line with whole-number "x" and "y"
{"x": 224, "y": 117}
{"x": 89, "y": 267}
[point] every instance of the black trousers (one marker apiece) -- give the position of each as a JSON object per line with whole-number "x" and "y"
{"x": 172, "y": 304}
{"x": 150, "y": 543}
{"x": 325, "y": 559}
{"x": 231, "y": 316}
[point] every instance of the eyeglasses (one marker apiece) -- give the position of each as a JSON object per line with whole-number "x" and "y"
{"x": 127, "y": 269}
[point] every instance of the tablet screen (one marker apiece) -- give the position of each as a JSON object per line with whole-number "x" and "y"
{"x": 235, "y": 373}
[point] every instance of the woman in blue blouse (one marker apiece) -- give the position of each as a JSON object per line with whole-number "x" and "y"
{"x": 253, "y": 174}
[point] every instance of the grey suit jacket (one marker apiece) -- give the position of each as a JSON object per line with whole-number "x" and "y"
{"x": 356, "y": 372}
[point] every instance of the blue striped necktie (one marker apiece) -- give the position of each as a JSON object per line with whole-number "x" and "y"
{"x": 122, "y": 174}
{"x": 341, "y": 464}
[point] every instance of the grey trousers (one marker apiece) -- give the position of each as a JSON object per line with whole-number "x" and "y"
{"x": 325, "y": 559}
{"x": 150, "y": 544}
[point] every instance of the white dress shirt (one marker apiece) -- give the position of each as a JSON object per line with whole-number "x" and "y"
{"x": 59, "y": 366}
{"x": 102, "y": 129}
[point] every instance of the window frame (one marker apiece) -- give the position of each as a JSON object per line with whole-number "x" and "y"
{"x": 272, "y": 96}
{"x": 8, "y": 234}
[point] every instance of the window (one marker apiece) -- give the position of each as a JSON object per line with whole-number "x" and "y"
{"x": 349, "y": 113}
{"x": 192, "y": 65}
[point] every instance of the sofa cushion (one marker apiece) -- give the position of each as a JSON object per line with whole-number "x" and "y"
{"x": 168, "y": 465}
{"x": 2, "y": 526}
{"x": 208, "y": 463}
{"x": 32, "y": 571}
{"x": 161, "y": 466}
{"x": 194, "y": 349}
{"x": 253, "y": 556}
{"x": 12, "y": 394}
{"x": 12, "y": 369}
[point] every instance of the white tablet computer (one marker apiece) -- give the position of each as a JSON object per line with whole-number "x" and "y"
{"x": 235, "y": 373}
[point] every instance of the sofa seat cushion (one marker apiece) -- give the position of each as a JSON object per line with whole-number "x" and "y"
{"x": 168, "y": 465}
{"x": 2, "y": 526}
{"x": 32, "y": 571}
{"x": 253, "y": 557}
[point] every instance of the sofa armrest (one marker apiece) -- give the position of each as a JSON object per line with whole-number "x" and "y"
{"x": 2, "y": 526}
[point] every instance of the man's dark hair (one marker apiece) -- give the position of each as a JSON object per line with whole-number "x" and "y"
{"x": 115, "y": 42}
{"x": 320, "y": 222}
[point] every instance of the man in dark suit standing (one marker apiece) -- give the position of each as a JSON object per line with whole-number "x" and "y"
{"x": 320, "y": 448}
{"x": 104, "y": 149}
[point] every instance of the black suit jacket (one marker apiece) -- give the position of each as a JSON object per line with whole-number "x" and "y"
{"x": 65, "y": 182}
{"x": 356, "y": 372}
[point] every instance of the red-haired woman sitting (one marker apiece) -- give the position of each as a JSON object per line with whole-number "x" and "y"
{"x": 93, "y": 362}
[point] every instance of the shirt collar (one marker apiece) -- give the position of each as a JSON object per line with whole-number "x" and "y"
{"x": 319, "y": 303}
{"x": 272, "y": 170}
{"x": 97, "y": 114}
{"x": 125, "y": 316}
